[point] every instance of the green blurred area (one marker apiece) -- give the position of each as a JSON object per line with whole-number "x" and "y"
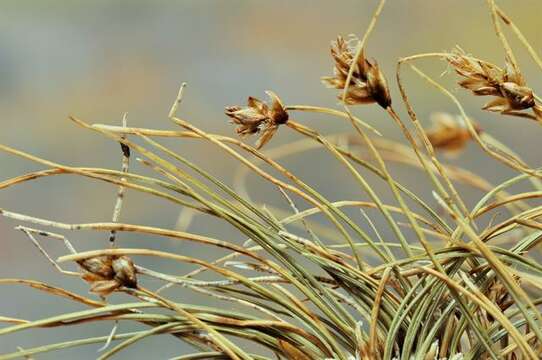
{"x": 99, "y": 59}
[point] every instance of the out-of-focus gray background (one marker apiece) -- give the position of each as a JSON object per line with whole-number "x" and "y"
{"x": 99, "y": 59}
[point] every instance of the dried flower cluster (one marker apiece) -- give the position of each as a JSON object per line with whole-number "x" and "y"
{"x": 449, "y": 133}
{"x": 367, "y": 85}
{"x": 258, "y": 116}
{"x": 483, "y": 78}
{"x": 108, "y": 273}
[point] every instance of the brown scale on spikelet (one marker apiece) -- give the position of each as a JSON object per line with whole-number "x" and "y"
{"x": 258, "y": 116}
{"x": 367, "y": 85}
{"x": 108, "y": 273}
{"x": 449, "y": 134}
{"x": 485, "y": 79}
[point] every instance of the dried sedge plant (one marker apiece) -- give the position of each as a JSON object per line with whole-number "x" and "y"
{"x": 449, "y": 133}
{"x": 367, "y": 84}
{"x": 258, "y": 116}
{"x": 442, "y": 282}
{"x": 508, "y": 86}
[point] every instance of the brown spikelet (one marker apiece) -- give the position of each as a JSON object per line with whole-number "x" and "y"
{"x": 125, "y": 272}
{"x": 100, "y": 266}
{"x": 258, "y": 116}
{"x": 367, "y": 85}
{"x": 449, "y": 134}
{"x": 486, "y": 79}
{"x": 108, "y": 273}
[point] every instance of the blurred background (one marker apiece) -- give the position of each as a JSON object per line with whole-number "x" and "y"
{"x": 99, "y": 59}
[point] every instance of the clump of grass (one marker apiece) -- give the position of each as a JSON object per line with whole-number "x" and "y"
{"x": 439, "y": 286}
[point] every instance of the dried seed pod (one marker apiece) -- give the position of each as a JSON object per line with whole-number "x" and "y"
{"x": 104, "y": 287}
{"x": 125, "y": 272}
{"x": 248, "y": 118}
{"x": 108, "y": 273}
{"x": 449, "y": 133}
{"x": 100, "y": 266}
{"x": 367, "y": 85}
{"x": 520, "y": 97}
{"x": 258, "y": 116}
